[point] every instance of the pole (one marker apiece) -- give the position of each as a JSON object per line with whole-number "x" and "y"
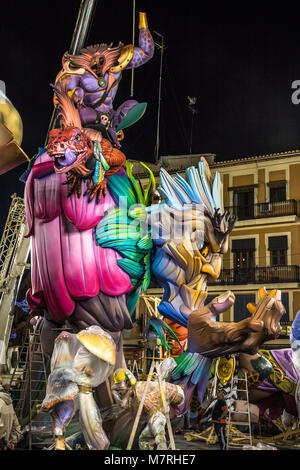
{"x": 161, "y": 47}
{"x": 140, "y": 409}
{"x": 84, "y": 19}
{"x": 165, "y": 407}
{"x": 191, "y": 135}
{"x": 133, "y": 41}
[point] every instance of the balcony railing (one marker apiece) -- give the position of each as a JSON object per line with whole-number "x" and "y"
{"x": 260, "y": 275}
{"x": 264, "y": 209}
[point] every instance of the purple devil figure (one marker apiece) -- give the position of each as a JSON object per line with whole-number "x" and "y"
{"x": 92, "y": 79}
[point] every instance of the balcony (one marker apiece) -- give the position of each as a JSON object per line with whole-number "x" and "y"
{"x": 266, "y": 275}
{"x": 264, "y": 209}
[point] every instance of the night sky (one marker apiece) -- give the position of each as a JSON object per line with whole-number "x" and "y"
{"x": 239, "y": 62}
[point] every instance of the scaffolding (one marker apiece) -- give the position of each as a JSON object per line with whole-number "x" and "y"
{"x": 14, "y": 251}
{"x": 33, "y": 384}
{"x": 13, "y": 231}
{"x": 152, "y": 350}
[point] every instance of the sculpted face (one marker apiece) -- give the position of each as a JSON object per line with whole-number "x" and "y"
{"x": 216, "y": 235}
{"x": 69, "y": 148}
{"x": 185, "y": 263}
{"x": 186, "y": 260}
{"x": 104, "y": 120}
{"x": 97, "y": 64}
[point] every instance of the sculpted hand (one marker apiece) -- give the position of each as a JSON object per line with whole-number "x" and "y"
{"x": 264, "y": 324}
{"x": 204, "y": 334}
{"x": 217, "y": 338}
{"x": 99, "y": 189}
{"x": 268, "y": 312}
{"x": 221, "y": 303}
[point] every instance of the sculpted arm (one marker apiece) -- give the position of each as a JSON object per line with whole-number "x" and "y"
{"x": 145, "y": 49}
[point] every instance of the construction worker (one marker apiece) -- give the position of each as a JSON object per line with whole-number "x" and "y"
{"x": 219, "y": 413}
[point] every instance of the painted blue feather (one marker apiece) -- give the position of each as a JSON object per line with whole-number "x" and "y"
{"x": 167, "y": 310}
{"x": 206, "y": 185}
{"x": 170, "y": 190}
{"x": 217, "y": 192}
{"x": 187, "y": 188}
{"x": 193, "y": 178}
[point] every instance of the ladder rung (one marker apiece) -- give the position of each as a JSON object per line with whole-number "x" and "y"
{"x": 244, "y": 440}
{"x": 236, "y": 446}
{"x": 240, "y": 412}
{"x": 231, "y": 443}
{"x": 42, "y": 432}
{"x": 41, "y": 443}
{"x": 41, "y": 421}
{"x": 242, "y": 423}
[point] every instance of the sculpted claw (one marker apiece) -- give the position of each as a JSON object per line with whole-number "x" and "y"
{"x": 247, "y": 335}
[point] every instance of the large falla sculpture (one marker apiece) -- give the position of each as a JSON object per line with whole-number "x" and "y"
{"x": 96, "y": 240}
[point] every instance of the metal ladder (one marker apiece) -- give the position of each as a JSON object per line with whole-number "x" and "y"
{"x": 231, "y": 424}
{"x": 32, "y": 361}
{"x": 14, "y": 251}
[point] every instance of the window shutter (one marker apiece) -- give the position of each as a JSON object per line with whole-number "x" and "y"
{"x": 278, "y": 243}
{"x": 243, "y": 244}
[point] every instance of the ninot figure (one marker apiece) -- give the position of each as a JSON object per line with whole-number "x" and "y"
{"x": 78, "y": 152}
{"x": 128, "y": 393}
{"x": 92, "y": 79}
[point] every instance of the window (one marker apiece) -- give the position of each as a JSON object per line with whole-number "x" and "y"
{"x": 243, "y": 250}
{"x": 285, "y": 301}
{"x": 243, "y": 260}
{"x": 278, "y": 250}
{"x": 277, "y": 191}
{"x": 243, "y": 200}
{"x": 278, "y": 257}
{"x": 240, "y": 306}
